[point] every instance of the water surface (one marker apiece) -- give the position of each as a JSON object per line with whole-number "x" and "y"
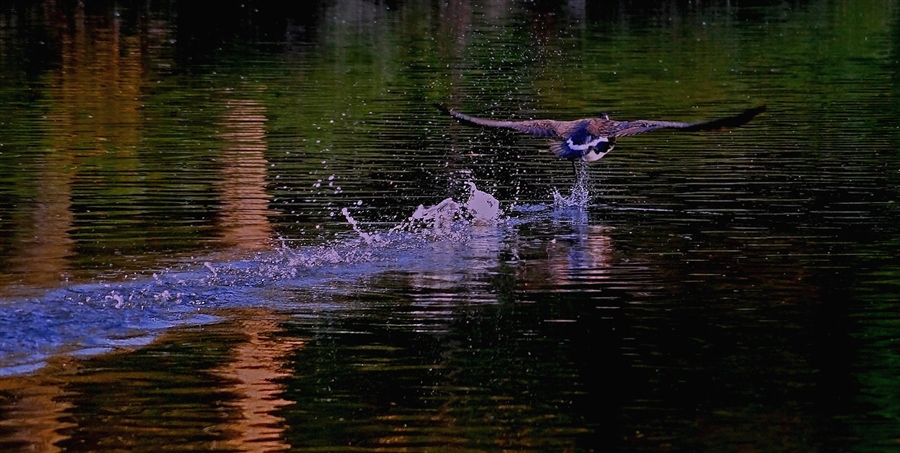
{"x": 254, "y": 232}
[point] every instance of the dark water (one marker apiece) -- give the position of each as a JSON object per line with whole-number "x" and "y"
{"x": 209, "y": 235}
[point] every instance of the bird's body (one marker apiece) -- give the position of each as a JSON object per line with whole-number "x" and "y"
{"x": 590, "y": 139}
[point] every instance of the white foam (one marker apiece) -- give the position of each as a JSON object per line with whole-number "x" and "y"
{"x": 482, "y": 206}
{"x": 449, "y": 217}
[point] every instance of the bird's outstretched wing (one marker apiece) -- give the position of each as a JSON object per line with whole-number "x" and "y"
{"x": 626, "y": 128}
{"x": 540, "y": 128}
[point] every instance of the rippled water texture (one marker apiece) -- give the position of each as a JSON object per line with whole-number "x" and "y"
{"x": 247, "y": 228}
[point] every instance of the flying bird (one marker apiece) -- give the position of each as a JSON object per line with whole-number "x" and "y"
{"x": 590, "y": 139}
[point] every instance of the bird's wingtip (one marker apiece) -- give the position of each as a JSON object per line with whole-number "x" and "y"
{"x": 443, "y": 107}
{"x": 749, "y": 114}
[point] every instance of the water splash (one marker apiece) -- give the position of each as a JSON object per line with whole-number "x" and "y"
{"x": 93, "y": 318}
{"x": 437, "y": 219}
{"x": 369, "y": 238}
{"x": 447, "y": 219}
{"x": 580, "y": 196}
{"x": 482, "y": 206}
{"x": 454, "y": 238}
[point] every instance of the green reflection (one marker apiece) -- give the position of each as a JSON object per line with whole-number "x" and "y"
{"x": 137, "y": 136}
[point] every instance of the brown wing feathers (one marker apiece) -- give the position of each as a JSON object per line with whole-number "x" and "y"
{"x": 636, "y": 127}
{"x": 541, "y": 128}
{"x": 603, "y": 126}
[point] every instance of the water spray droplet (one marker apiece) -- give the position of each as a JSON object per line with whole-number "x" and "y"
{"x": 580, "y": 197}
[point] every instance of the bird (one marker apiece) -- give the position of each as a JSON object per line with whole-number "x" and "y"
{"x": 589, "y": 139}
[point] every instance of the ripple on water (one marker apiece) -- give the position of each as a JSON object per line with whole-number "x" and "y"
{"x": 94, "y": 318}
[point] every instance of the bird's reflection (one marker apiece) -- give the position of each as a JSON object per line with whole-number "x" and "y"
{"x": 574, "y": 252}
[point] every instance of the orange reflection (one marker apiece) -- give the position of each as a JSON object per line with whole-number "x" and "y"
{"x": 42, "y": 252}
{"x": 93, "y": 103}
{"x": 244, "y": 213}
{"x": 36, "y": 416}
{"x": 257, "y": 364}
{"x": 50, "y": 410}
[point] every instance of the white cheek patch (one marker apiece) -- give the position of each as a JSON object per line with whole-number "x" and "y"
{"x": 594, "y": 155}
